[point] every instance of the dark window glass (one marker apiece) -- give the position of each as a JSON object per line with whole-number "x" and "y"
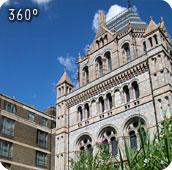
{"x": 133, "y": 140}
{"x": 114, "y": 146}
{"x": 42, "y": 138}
{"x": 7, "y": 126}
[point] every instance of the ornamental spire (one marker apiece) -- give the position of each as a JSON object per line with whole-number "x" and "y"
{"x": 129, "y": 5}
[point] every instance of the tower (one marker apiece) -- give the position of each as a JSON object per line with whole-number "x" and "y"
{"x": 64, "y": 87}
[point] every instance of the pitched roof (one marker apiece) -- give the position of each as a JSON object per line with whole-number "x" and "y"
{"x": 64, "y": 79}
{"x": 151, "y": 27}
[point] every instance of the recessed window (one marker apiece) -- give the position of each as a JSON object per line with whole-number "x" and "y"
{"x": 42, "y": 138}
{"x": 44, "y": 122}
{"x": 9, "y": 107}
{"x": 7, "y": 126}
{"x": 41, "y": 159}
{"x": 127, "y": 51}
{"x": 5, "y": 149}
{"x": 31, "y": 116}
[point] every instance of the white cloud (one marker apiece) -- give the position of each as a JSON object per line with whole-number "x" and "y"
{"x": 112, "y": 12}
{"x": 42, "y": 1}
{"x": 68, "y": 62}
{"x": 96, "y": 21}
{"x": 6, "y": 2}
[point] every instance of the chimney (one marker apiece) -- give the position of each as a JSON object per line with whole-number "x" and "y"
{"x": 102, "y": 18}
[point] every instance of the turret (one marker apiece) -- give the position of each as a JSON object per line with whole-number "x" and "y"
{"x": 64, "y": 86}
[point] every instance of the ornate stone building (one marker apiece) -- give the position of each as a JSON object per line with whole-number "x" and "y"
{"x": 125, "y": 76}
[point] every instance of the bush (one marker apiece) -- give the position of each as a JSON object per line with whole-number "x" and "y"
{"x": 153, "y": 155}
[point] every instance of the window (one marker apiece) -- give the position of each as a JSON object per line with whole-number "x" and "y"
{"x": 44, "y": 122}
{"x": 9, "y": 107}
{"x": 108, "y": 136}
{"x": 41, "y": 159}
{"x": 87, "y": 110}
{"x": 102, "y": 105}
{"x": 85, "y": 144}
{"x": 42, "y": 138}
{"x": 150, "y": 40}
{"x": 86, "y": 74}
{"x": 133, "y": 129}
{"x": 109, "y": 98}
{"x": 5, "y": 149}
{"x": 31, "y": 116}
{"x": 144, "y": 47}
{"x": 80, "y": 113}
{"x": 127, "y": 93}
{"x": 7, "y": 126}
{"x": 136, "y": 89}
{"x": 107, "y": 55}
{"x": 127, "y": 51}
{"x": 133, "y": 140}
{"x": 100, "y": 66}
{"x": 155, "y": 37}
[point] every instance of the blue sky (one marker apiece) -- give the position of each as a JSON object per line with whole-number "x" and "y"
{"x": 33, "y": 54}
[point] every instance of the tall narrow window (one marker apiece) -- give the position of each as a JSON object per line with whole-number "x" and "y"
{"x": 114, "y": 146}
{"x": 108, "y": 57}
{"x": 7, "y": 126}
{"x": 136, "y": 89}
{"x": 102, "y": 106}
{"x": 80, "y": 113}
{"x": 133, "y": 140}
{"x": 87, "y": 110}
{"x": 127, "y": 51}
{"x": 150, "y": 40}
{"x": 109, "y": 98}
{"x": 155, "y": 37}
{"x": 144, "y": 47}
{"x": 100, "y": 66}
{"x": 44, "y": 122}
{"x": 86, "y": 74}
{"x": 127, "y": 93}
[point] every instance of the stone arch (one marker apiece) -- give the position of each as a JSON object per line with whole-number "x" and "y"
{"x": 84, "y": 142}
{"x": 109, "y": 136}
{"x": 132, "y": 130}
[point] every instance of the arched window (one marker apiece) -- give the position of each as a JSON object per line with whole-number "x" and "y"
{"x": 108, "y": 135}
{"x": 108, "y": 56}
{"x": 100, "y": 66}
{"x": 144, "y": 47}
{"x": 136, "y": 89}
{"x": 109, "y": 100}
{"x": 85, "y": 144}
{"x": 93, "y": 107}
{"x": 87, "y": 110}
{"x": 134, "y": 128}
{"x": 86, "y": 74}
{"x": 102, "y": 105}
{"x": 127, "y": 93}
{"x": 155, "y": 37}
{"x": 117, "y": 98}
{"x": 80, "y": 113}
{"x": 127, "y": 51}
{"x": 150, "y": 40}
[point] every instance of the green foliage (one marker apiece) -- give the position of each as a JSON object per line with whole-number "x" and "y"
{"x": 152, "y": 155}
